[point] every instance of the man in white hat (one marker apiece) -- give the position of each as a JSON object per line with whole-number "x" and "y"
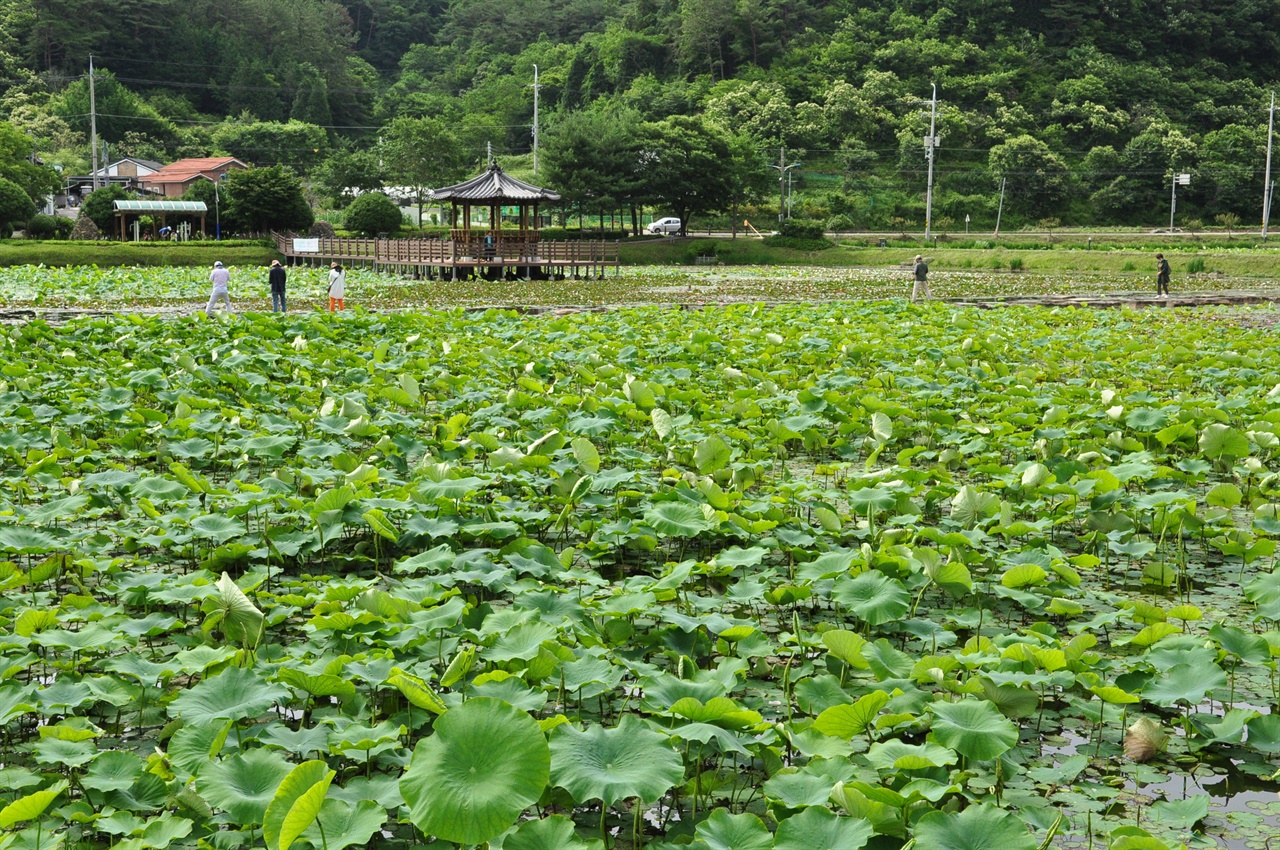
{"x": 219, "y": 277}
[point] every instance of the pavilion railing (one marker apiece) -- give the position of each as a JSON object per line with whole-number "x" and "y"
{"x": 475, "y": 251}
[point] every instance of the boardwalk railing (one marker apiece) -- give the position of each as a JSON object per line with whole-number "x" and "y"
{"x": 450, "y": 256}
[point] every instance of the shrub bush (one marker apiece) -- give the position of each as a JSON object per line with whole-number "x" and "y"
{"x": 561, "y": 234}
{"x": 49, "y": 227}
{"x": 801, "y": 228}
{"x": 373, "y": 213}
{"x": 840, "y": 223}
{"x": 15, "y": 206}
{"x": 796, "y": 243}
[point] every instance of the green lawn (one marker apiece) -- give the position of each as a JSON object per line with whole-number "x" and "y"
{"x": 19, "y": 252}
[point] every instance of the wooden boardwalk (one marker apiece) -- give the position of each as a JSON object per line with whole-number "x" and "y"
{"x": 454, "y": 259}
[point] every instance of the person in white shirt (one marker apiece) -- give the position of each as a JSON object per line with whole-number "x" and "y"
{"x": 337, "y": 287}
{"x": 219, "y": 277}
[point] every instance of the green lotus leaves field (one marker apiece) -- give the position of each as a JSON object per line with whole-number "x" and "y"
{"x": 826, "y": 575}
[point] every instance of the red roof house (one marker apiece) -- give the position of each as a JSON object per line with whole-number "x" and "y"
{"x": 176, "y": 177}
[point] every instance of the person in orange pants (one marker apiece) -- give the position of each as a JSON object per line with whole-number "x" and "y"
{"x": 337, "y": 287}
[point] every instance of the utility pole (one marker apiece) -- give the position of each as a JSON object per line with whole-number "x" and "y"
{"x": 1000, "y": 209}
{"x": 535, "y": 119}
{"x": 784, "y": 200}
{"x": 93, "y": 123}
{"x": 1178, "y": 180}
{"x": 930, "y": 145}
{"x": 782, "y": 182}
{"x": 1266, "y": 181}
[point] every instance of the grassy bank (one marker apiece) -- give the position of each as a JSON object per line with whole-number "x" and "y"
{"x": 1185, "y": 258}
{"x": 22, "y": 252}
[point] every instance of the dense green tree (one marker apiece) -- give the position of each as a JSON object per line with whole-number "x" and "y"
{"x": 693, "y": 169}
{"x": 55, "y": 33}
{"x": 1038, "y": 178}
{"x": 99, "y": 206}
{"x": 373, "y": 213}
{"x": 311, "y": 98}
{"x": 592, "y": 159}
{"x": 15, "y": 206}
{"x": 763, "y": 111}
{"x": 257, "y": 92}
{"x": 120, "y": 110}
{"x": 703, "y": 39}
{"x": 347, "y": 172}
{"x": 1229, "y": 176}
{"x": 16, "y": 165}
{"x": 263, "y": 143}
{"x": 266, "y": 199}
{"x": 1147, "y": 164}
{"x": 421, "y": 154}
{"x": 386, "y": 29}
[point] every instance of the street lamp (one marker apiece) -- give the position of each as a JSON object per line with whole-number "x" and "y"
{"x": 784, "y": 208}
{"x": 1178, "y": 180}
{"x": 217, "y": 213}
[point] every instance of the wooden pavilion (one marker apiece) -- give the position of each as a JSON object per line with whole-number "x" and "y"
{"x": 494, "y": 190}
{"x": 492, "y": 251}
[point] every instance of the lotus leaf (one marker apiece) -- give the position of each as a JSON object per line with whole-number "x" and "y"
{"x": 234, "y": 694}
{"x": 973, "y": 728}
{"x": 874, "y": 597}
{"x": 676, "y": 520}
{"x": 1186, "y": 682}
{"x": 243, "y": 784}
{"x": 979, "y": 827}
{"x": 485, "y": 764}
{"x": 627, "y": 761}
{"x": 551, "y": 833}
{"x": 817, "y": 827}
{"x": 296, "y": 804}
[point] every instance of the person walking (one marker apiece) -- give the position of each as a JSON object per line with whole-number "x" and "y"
{"x": 219, "y": 277}
{"x": 276, "y": 278}
{"x": 921, "y": 287}
{"x": 1162, "y": 276}
{"x": 337, "y": 287}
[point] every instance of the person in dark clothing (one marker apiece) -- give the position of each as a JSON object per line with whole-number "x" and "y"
{"x": 921, "y": 287}
{"x": 276, "y": 278}
{"x": 1162, "y": 276}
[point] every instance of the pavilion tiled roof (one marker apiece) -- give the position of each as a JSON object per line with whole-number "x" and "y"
{"x": 494, "y": 186}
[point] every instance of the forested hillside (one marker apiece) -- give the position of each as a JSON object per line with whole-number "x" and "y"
{"x": 1085, "y": 106}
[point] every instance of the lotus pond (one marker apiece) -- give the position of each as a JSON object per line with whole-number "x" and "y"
{"x": 186, "y": 289}
{"x": 796, "y": 577}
